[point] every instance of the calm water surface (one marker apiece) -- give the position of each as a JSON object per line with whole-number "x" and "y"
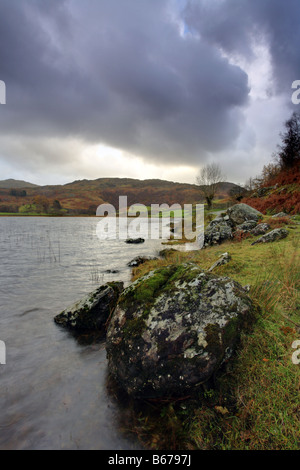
{"x": 52, "y": 389}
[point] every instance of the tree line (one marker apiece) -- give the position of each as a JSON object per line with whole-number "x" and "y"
{"x": 285, "y": 158}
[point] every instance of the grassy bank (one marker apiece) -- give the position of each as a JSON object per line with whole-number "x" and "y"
{"x": 254, "y": 403}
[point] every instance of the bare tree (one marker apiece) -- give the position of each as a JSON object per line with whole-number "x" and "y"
{"x": 249, "y": 185}
{"x": 289, "y": 151}
{"x": 208, "y": 179}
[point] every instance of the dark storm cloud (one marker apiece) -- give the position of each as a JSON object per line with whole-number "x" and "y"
{"x": 234, "y": 25}
{"x": 120, "y": 73}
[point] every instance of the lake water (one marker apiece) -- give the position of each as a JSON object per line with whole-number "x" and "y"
{"x": 52, "y": 388}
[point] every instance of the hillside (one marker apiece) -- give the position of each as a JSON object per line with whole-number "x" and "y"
{"x": 84, "y": 196}
{"x": 16, "y": 184}
{"x": 278, "y": 194}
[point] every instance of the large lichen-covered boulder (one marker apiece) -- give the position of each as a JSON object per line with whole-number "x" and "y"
{"x": 92, "y": 311}
{"x": 172, "y": 330}
{"x": 240, "y": 213}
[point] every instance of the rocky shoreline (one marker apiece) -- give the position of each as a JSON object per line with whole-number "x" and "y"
{"x": 171, "y": 330}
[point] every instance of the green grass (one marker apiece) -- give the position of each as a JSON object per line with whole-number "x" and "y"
{"x": 255, "y": 402}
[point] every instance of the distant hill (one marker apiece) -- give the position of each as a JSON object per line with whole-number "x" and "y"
{"x": 84, "y": 196}
{"x": 16, "y": 184}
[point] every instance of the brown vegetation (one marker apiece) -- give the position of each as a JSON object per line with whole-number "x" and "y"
{"x": 281, "y": 192}
{"x": 83, "y": 197}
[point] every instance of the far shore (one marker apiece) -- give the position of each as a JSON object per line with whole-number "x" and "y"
{"x": 10, "y": 214}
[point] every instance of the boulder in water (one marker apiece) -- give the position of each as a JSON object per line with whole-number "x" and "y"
{"x": 172, "y": 330}
{"x": 92, "y": 312}
{"x": 134, "y": 240}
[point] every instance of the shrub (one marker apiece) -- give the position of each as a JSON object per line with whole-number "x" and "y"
{"x": 279, "y": 222}
{"x": 288, "y": 202}
{"x": 241, "y": 235}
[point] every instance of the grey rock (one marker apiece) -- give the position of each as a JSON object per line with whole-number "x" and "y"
{"x": 173, "y": 329}
{"x": 260, "y": 229}
{"x": 224, "y": 259}
{"x": 247, "y": 226}
{"x": 217, "y": 221}
{"x": 138, "y": 260}
{"x": 274, "y": 235}
{"x": 93, "y": 310}
{"x": 262, "y": 192}
{"x": 280, "y": 214}
{"x": 240, "y": 213}
{"x": 217, "y": 232}
{"x": 134, "y": 240}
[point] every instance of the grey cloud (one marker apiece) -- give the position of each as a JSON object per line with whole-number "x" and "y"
{"x": 120, "y": 73}
{"x": 233, "y": 25}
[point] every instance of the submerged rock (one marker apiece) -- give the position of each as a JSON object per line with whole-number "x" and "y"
{"x": 93, "y": 311}
{"x": 134, "y": 240}
{"x": 276, "y": 234}
{"x": 173, "y": 328}
{"x": 240, "y": 213}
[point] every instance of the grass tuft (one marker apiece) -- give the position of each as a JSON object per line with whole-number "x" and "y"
{"x": 254, "y": 404}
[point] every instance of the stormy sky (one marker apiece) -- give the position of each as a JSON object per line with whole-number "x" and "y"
{"x": 144, "y": 88}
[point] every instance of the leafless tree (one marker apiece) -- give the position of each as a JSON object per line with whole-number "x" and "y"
{"x": 208, "y": 179}
{"x": 289, "y": 151}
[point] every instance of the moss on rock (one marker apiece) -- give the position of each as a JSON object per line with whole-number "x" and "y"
{"x": 173, "y": 328}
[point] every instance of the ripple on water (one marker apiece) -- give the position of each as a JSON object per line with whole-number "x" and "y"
{"x": 53, "y": 388}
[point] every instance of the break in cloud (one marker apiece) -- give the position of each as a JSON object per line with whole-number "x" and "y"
{"x": 154, "y": 88}
{"x": 235, "y": 26}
